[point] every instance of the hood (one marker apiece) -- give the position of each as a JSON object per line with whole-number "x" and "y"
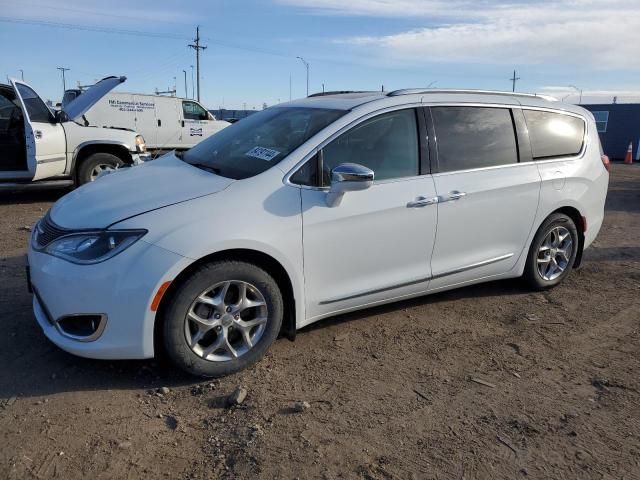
{"x": 133, "y": 191}
{"x": 83, "y": 102}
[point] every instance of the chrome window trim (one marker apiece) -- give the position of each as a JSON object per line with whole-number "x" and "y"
{"x": 580, "y": 155}
{"x": 287, "y": 178}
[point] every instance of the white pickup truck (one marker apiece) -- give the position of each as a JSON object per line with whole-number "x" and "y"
{"x": 38, "y": 146}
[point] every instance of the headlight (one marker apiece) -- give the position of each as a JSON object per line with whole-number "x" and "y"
{"x": 93, "y": 247}
{"x": 141, "y": 146}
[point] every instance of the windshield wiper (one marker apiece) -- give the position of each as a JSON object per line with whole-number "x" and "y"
{"x": 206, "y": 167}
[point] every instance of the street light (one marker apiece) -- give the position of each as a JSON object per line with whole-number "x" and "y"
{"x": 578, "y": 90}
{"x": 306, "y": 64}
{"x": 193, "y": 93}
{"x": 186, "y": 93}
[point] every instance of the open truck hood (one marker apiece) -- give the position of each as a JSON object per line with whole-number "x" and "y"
{"x": 79, "y": 105}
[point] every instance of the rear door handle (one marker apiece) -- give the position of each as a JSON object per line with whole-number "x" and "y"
{"x": 453, "y": 196}
{"x": 422, "y": 202}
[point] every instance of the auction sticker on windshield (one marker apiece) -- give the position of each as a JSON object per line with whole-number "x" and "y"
{"x": 262, "y": 153}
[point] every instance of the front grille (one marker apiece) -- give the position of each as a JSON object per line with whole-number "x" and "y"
{"x": 47, "y": 231}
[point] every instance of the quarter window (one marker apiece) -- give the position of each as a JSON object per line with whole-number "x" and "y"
{"x": 193, "y": 111}
{"x": 387, "y": 144}
{"x": 602, "y": 119}
{"x": 554, "y": 134}
{"x": 474, "y": 137}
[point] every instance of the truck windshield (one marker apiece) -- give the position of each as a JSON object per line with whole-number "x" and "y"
{"x": 260, "y": 141}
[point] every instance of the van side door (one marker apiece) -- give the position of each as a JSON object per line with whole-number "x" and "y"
{"x": 488, "y": 191}
{"x": 195, "y": 123}
{"x": 45, "y": 139}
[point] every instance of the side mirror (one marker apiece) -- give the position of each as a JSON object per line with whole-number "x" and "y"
{"x": 348, "y": 177}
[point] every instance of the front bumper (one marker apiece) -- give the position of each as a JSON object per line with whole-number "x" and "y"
{"x": 121, "y": 289}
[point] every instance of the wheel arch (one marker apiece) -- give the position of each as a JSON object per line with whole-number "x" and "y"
{"x": 577, "y": 218}
{"x": 262, "y": 260}
{"x": 85, "y": 150}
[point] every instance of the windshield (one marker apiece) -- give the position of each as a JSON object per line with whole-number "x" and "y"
{"x": 258, "y": 142}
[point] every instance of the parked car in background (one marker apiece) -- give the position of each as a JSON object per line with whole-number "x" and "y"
{"x": 398, "y": 194}
{"x": 167, "y": 123}
{"x": 47, "y": 147}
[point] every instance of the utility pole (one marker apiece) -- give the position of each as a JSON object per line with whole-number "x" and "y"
{"x": 22, "y": 75}
{"x": 186, "y": 93}
{"x": 64, "y": 84}
{"x": 197, "y": 47}
{"x": 306, "y": 64}
{"x": 514, "y": 80}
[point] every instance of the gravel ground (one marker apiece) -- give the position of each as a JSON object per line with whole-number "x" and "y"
{"x": 490, "y": 381}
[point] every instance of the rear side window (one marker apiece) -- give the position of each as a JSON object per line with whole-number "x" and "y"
{"x": 474, "y": 137}
{"x": 554, "y": 134}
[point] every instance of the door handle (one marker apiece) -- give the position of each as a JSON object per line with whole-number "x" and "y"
{"x": 422, "y": 202}
{"x": 37, "y": 134}
{"x": 453, "y": 196}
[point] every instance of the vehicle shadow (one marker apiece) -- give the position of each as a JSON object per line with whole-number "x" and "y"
{"x": 498, "y": 288}
{"x": 32, "y": 366}
{"x": 13, "y": 197}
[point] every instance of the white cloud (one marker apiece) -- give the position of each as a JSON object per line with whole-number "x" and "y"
{"x": 587, "y": 33}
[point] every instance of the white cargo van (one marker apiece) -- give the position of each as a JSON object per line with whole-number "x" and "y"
{"x": 167, "y": 123}
{"x": 41, "y": 147}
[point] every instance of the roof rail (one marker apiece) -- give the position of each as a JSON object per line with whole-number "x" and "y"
{"x": 413, "y": 91}
{"x": 338, "y": 92}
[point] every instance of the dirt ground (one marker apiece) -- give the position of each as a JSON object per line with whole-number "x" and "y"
{"x": 391, "y": 390}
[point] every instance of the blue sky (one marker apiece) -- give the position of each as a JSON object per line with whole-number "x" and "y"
{"x": 353, "y": 44}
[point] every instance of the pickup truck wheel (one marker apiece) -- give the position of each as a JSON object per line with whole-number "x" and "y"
{"x": 94, "y": 165}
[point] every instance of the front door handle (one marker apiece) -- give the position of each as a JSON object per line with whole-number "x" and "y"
{"x": 422, "y": 202}
{"x": 452, "y": 196}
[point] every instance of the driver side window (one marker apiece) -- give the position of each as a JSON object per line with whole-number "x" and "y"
{"x": 387, "y": 144}
{"x": 193, "y": 111}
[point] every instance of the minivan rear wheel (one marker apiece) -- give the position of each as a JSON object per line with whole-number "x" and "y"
{"x": 223, "y": 318}
{"x": 552, "y": 253}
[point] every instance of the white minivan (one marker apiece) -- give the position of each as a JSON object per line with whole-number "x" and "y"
{"x": 167, "y": 123}
{"x": 313, "y": 208}
{"x": 42, "y": 147}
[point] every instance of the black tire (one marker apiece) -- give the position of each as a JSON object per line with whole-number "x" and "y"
{"x": 96, "y": 160}
{"x": 532, "y": 274}
{"x": 204, "y": 277}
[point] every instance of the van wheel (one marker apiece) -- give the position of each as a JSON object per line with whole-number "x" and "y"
{"x": 222, "y": 319}
{"x": 552, "y": 253}
{"x": 94, "y": 165}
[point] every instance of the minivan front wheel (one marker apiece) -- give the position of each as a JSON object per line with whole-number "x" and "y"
{"x": 552, "y": 253}
{"x": 223, "y": 318}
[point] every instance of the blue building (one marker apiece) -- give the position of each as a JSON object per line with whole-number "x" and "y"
{"x": 618, "y": 125}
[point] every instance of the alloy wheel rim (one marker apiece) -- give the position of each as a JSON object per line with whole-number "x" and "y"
{"x": 554, "y": 253}
{"x": 226, "y": 320}
{"x": 100, "y": 169}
